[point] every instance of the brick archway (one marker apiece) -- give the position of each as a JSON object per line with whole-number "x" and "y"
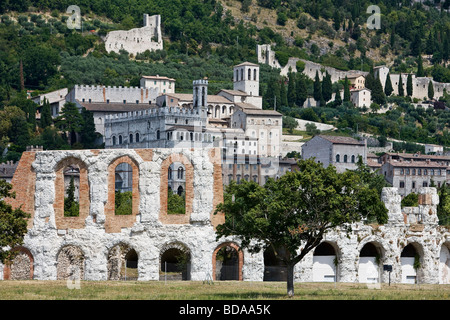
{"x": 8, "y": 272}
{"x": 189, "y": 190}
{"x": 240, "y": 258}
{"x": 78, "y": 222}
{"x": 113, "y": 222}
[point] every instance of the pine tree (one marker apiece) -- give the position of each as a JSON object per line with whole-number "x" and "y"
{"x": 409, "y": 86}
{"x": 301, "y": 90}
{"x": 401, "y": 91}
{"x": 346, "y": 90}
{"x": 327, "y": 88}
{"x": 317, "y": 88}
{"x": 388, "y": 86}
{"x": 46, "y": 116}
{"x": 430, "y": 90}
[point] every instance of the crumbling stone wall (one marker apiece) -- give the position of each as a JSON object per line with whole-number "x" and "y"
{"x": 96, "y": 244}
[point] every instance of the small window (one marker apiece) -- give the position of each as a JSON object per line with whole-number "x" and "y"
{"x": 338, "y": 158}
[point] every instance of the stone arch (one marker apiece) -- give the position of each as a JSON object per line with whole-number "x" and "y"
{"x": 164, "y": 217}
{"x": 411, "y": 261}
{"x": 274, "y": 268}
{"x": 70, "y": 263}
{"x": 371, "y": 255}
{"x": 175, "y": 259}
{"x": 444, "y": 263}
{"x": 228, "y": 271}
{"x": 61, "y": 220}
{"x": 21, "y": 267}
{"x": 122, "y": 262}
{"x": 325, "y": 262}
{"x": 113, "y": 222}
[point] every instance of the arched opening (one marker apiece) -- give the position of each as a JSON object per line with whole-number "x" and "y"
{"x": 70, "y": 263}
{"x": 369, "y": 264}
{"x": 324, "y": 263}
{"x": 274, "y": 268}
{"x": 444, "y": 264}
{"x": 123, "y": 202}
{"x": 21, "y": 266}
{"x": 122, "y": 263}
{"x": 227, "y": 263}
{"x": 410, "y": 261}
{"x": 72, "y": 191}
{"x": 176, "y": 198}
{"x": 175, "y": 263}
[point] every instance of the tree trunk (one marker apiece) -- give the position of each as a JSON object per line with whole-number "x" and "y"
{"x": 290, "y": 280}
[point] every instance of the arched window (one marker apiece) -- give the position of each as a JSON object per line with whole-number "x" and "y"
{"x": 158, "y": 134}
{"x": 137, "y": 137}
{"x": 338, "y": 158}
{"x": 120, "y": 139}
{"x": 345, "y": 158}
{"x": 131, "y": 138}
{"x": 353, "y": 158}
{"x": 249, "y": 74}
{"x": 237, "y": 75}
{"x": 123, "y": 189}
{"x": 113, "y": 140}
{"x": 254, "y": 74}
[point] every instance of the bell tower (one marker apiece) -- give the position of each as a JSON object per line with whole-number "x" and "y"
{"x": 246, "y": 78}
{"x": 200, "y": 93}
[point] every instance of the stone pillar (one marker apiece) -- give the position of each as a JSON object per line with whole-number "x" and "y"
{"x": 392, "y": 201}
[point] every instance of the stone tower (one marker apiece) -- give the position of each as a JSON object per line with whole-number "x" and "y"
{"x": 200, "y": 93}
{"x": 246, "y": 78}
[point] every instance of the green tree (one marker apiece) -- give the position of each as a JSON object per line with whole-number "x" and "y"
{"x": 39, "y": 64}
{"x": 409, "y": 85}
{"x": 291, "y": 94}
{"x": 71, "y": 206}
{"x": 346, "y": 90}
{"x": 377, "y": 92}
{"x": 327, "y": 87}
{"x": 443, "y": 208}
{"x": 317, "y": 95}
{"x": 283, "y": 94}
{"x": 290, "y": 123}
{"x": 70, "y": 121}
{"x": 430, "y": 90}
{"x": 411, "y": 200}
{"x": 401, "y": 91}
{"x": 420, "y": 72}
{"x": 388, "y": 86}
{"x": 88, "y": 133}
{"x": 292, "y": 214}
{"x": 46, "y": 115}
{"x": 337, "y": 97}
{"x": 301, "y": 90}
{"x": 13, "y": 223}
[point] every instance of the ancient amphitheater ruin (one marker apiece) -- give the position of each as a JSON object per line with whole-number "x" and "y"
{"x": 100, "y": 245}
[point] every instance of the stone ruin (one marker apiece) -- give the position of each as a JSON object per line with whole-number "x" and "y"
{"x": 100, "y": 245}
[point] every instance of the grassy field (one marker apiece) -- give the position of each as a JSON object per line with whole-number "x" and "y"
{"x": 219, "y": 290}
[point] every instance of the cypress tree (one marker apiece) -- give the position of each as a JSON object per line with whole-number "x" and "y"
{"x": 327, "y": 87}
{"x": 337, "y": 98}
{"x": 283, "y": 94}
{"x": 388, "y": 86}
{"x": 430, "y": 90}
{"x": 301, "y": 90}
{"x": 409, "y": 86}
{"x": 317, "y": 88}
{"x": 401, "y": 91}
{"x": 46, "y": 116}
{"x": 291, "y": 97}
{"x": 420, "y": 72}
{"x": 346, "y": 90}
{"x": 377, "y": 92}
